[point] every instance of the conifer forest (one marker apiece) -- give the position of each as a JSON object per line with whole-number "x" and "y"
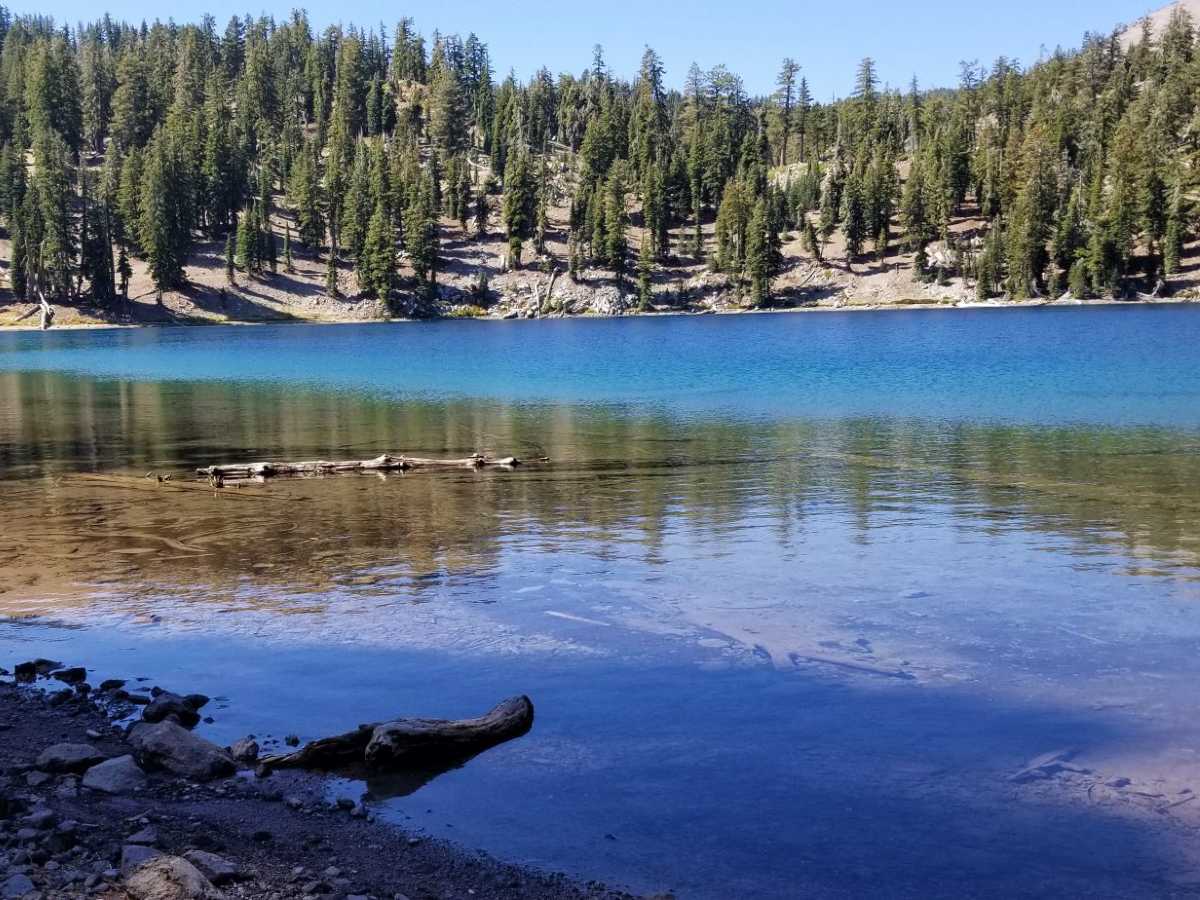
{"x": 409, "y": 176}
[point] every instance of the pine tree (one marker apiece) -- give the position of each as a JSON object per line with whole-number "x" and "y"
{"x": 786, "y": 93}
{"x": 855, "y": 227}
{"x": 644, "y": 270}
{"x": 287, "y": 249}
{"x": 812, "y": 242}
{"x": 332, "y": 285}
{"x": 759, "y": 263}
{"x": 377, "y": 262}
{"x": 421, "y": 237}
{"x": 18, "y": 265}
{"x": 50, "y": 217}
{"x": 1173, "y": 238}
{"x": 304, "y": 192}
{"x": 616, "y": 248}
{"x": 230, "y": 266}
{"x": 518, "y": 210}
{"x": 124, "y": 271}
{"x": 165, "y": 218}
{"x": 247, "y": 242}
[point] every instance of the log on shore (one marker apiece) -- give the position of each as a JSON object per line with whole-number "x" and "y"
{"x": 385, "y": 463}
{"x": 389, "y": 746}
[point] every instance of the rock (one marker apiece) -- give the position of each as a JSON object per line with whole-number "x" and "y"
{"x": 37, "y": 779}
{"x": 115, "y": 776}
{"x": 42, "y": 818}
{"x": 167, "y": 746}
{"x": 68, "y": 789}
{"x": 27, "y": 671}
{"x": 112, "y": 684}
{"x": 69, "y": 758}
{"x": 196, "y": 701}
{"x": 170, "y": 878}
{"x": 171, "y": 705}
{"x": 245, "y": 750}
{"x": 148, "y": 836}
{"x": 134, "y": 856}
{"x": 73, "y": 675}
{"x": 16, "y": 886}
{"x": 215, "y": 868}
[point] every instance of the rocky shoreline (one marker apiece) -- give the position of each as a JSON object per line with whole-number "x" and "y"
{"x": 64, "y": 322}
{"x": 92, "y": 808}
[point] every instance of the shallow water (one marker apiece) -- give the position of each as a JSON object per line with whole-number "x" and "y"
{"x": 794, "y": 596}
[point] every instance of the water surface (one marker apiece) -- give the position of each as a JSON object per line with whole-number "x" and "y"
{"x": 794, "y": 595}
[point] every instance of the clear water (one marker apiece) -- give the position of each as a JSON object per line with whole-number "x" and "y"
{"x": 794, "y": 597}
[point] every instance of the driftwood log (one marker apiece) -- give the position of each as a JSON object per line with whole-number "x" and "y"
{"x": 388, "y": 746}
{"x": 386, "y": 463}
{"x": 46, "y": 309}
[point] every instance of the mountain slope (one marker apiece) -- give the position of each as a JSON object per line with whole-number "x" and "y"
{"x": 1158, "y": 20}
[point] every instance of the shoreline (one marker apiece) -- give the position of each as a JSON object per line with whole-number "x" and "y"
{"x": 663, "y": 313}
{"x": 246, "y": 835}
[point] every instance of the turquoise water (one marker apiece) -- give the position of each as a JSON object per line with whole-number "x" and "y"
{"x": 794, "y": 596}
{"x": 1106, "y": 365}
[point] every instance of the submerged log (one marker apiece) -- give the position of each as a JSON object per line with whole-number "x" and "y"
{"x": 387, "y": 746}
{"x": 386, "y": 463}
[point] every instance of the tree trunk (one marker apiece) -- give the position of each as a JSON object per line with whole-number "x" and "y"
{"x": 394, "y": 745}
{"x": 385, "y": 463}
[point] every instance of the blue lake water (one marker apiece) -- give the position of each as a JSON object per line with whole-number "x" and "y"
{"x": 795, "y": 595}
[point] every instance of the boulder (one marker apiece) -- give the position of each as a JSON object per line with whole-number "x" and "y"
{"x": 216, "y": 869}
{"x": 115, "y": 776}
{"x": 167, "y": 705}
{"x": 69, "y": 758}
{"x": 27, "y": 671}
{"x": 170, "y": 878}
{"x": 134, "y": 856}
{"x": 245, "y": 750}
{"x": 165, "y": 745}
{"x": 73, "y": 675}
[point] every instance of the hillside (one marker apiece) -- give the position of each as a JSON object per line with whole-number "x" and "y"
{"x": 174, "y": 174}
{"x": 1159, "y": 19}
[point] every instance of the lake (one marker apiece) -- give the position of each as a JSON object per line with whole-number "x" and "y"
{"x": 795, "y": 596}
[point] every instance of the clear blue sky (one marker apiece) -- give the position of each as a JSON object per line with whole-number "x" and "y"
{"x": 922, "y": 37}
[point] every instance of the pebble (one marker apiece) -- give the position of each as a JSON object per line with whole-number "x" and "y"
{"x": 16, "y": 886}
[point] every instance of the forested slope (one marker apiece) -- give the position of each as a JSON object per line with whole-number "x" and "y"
{"x": 268, "y": 170}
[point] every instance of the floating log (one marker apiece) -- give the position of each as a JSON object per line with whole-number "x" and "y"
{"x": 388, "y": 746}
{"x": 387, "y": 463}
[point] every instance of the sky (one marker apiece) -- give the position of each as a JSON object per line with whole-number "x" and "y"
{"x": 926, "y": 38}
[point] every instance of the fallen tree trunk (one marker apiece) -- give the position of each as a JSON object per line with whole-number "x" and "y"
{"x": 386, "y": 463}
{"x": 393, "y": 745}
